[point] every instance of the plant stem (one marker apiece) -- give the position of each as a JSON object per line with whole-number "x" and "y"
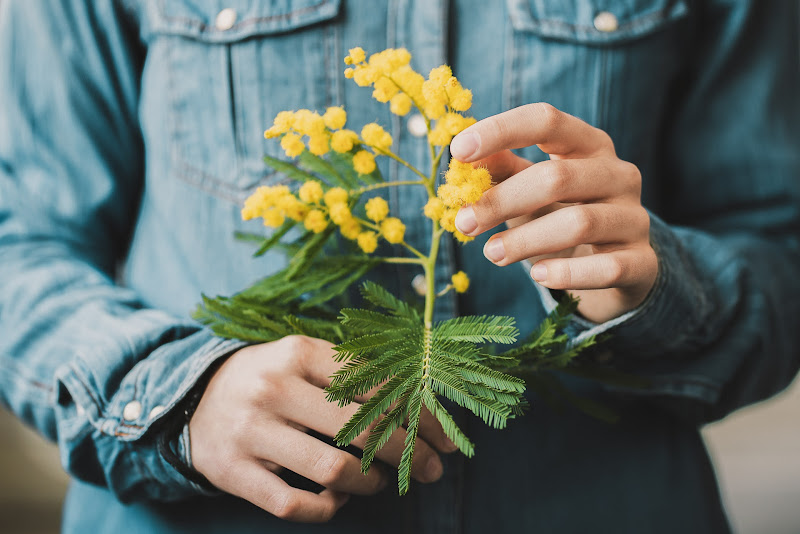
{"x": 418, "y": 261}
{"x": 400, "y": 160}
{"x": 373, "y": 187}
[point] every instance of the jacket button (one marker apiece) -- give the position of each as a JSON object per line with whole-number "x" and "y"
{"x": 416, "y": 125}
{"x": 420, "y": 284}
{"x": 132, "y": 411}
{"x": 606, "y": 22}
{"x": 155, "y": 412}
{"x": 225, "y": 19}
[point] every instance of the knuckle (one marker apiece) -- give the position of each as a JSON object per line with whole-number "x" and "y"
{"x": 488, "y": 208}
{"x": 582, "y": 222}
{"x": 632, "y": 176}
{"x": 558, "y": 176}
{"x": 284, "y": 505}
{"x": 331, "y": 467}
{"x": 615, "y": 271}
{"x": 547, "y": 114}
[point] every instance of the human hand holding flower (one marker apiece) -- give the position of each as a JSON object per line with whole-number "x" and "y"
{"x": 578, "y": 217}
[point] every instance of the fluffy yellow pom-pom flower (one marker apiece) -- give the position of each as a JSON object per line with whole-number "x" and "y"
{"x": 284, "y": 121}
{"x": 343, "y": 140}
{"x": 315, "y": 221}
{"x": 319, "y": 144}
{"x": 356, "y": 55}
{"x": 350, "y": 228}
{"x": 461, "y": 100}
{"x": 308, "y": 122}
{"x": 364, "y": 162}
{"x": 460, "y": 281}
{"x": 368, "y": 241}
{"x": 377, "y": 209}
{"x": 340, "y": 213}
{"x": 335, "y": 117}
{"x": 434, "y": 209}
{"x": 440, "y": 74}
{"x": 365, "y": 75}
{"x": 439, "y": 136}
{"x": 292, "y": 145}
{"x": 462, "y": 237}
{"x": 374, "y": 135}
{"x": 335, "y": 195}
{"x": 385, "y": 89}
{"x": 393, "y": 230}
{"x": 294, "y": 209}
{"x": 400, "y": 104}
{"x": 273, "y": 217}
{"x": 448, "y": 220}
{"x": 310, "y": 192}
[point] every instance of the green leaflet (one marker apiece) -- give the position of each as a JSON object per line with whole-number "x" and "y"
{"x": 478, "y": 329}
{"x": 330, "y": 173}
{"x": 404, "y": 469}
{"x": 289, "y": 169}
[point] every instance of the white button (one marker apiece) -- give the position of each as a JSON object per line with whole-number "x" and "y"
{"x": 416, "y": 125}
{"x": 606, "y": 22}
{"x": 132, "y": 411}
{"x": 419, "y": 284}
{"x": 79, "y": 409}
{"x": 225, "y": 19}
{"x": 155, "y": 412}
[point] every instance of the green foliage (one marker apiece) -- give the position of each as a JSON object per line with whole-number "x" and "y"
{"x": 411, "y": 364}
{"x": 394, "y": 360}
{"x": 291, "y": 301}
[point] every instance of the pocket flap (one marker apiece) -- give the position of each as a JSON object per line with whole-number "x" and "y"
{"x": 594, "y": 22}
{"x": 216, "y": 21}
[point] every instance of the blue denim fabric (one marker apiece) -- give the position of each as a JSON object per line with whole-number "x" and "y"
{"x": 130, "y": 132}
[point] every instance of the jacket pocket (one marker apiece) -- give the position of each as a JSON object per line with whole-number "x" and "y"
{"x": 594, "y": 22}
{"x": 612, "y": 63}
{"x": 227, "y": 70}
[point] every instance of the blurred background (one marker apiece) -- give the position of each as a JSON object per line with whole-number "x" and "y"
{"x": 756, "y": 452}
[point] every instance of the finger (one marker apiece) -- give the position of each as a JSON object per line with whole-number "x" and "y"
{"x": 431, "y": 431}
{"x": 566, "y": 228}
{"x": 317, "y": 461}
{"x": 555, "y": 132}
{"x": 548, "y": 182}
{"x": 310, "y": 408}
{"x": 267, "y": 491}
{"x": 617, "y": 269}
{"x": 503, "y": 165}
{"x": 314, "y": 358}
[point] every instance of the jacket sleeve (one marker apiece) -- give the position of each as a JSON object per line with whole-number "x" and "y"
{"x": 80, "y": 358}
{"x": 721, "y": 327}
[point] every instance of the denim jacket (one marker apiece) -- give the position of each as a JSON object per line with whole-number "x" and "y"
{"x": 130, "y": 133}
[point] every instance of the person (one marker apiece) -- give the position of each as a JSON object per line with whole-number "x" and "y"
{"x": 131, "y": 133}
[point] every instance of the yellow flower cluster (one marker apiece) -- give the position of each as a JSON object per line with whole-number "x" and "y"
{"x": 317, "y": 209}
{"x": 324, "y": 132}
{"x": 460, "y": 282}
{"x": 464, "y": 184}
{"x": 440, "y": 98}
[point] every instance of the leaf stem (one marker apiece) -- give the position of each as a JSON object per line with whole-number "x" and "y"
{"x": 418, "y": 261}
{"x": 368, "y": 188}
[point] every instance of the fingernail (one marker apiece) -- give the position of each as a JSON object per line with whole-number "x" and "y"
{"x": 434, "y": 469}
{"x": 539, "y": 272}
{"x": 494, "y": 250}
{"x": 466, "y": 221}
{"x": 464, "y": 145}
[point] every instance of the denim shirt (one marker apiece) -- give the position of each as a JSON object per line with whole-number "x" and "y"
{"x": 130, "y": 133}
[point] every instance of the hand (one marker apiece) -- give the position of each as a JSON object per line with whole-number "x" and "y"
{"x": 251, "y": 422}
{"x": 578, "y": 217}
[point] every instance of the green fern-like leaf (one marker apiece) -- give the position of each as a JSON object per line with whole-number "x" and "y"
{"x": 404, "y": 469}
{"x": 478, "y": 329}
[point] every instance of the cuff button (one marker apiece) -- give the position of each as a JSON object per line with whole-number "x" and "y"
{"x": 132, "y": 411}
